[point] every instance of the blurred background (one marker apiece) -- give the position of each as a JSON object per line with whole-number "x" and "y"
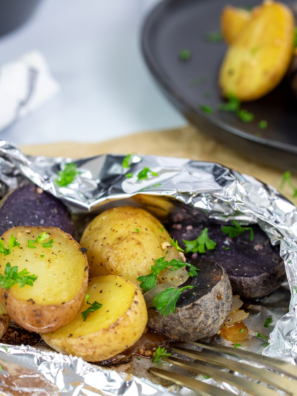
{"x": 92, "y": 50}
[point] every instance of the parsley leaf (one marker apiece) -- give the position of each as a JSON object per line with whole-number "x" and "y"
{"x": 126, "y": 161}
{"x": 137, "y": 230}
{"x": 148, "y": 281}
{"x": 31, "y": 244}
{"x": 245, "y": 116}
{"x": 268, "y": 321}
{"x": 227, "y": 248}
{"x": 11, "y": 244}
{"x": 175, "y": 244}
{"x": 263, "y": 124}
{"x": 184, "y": 55}
{"x": 237, "y": 230}
{"x": 241, "y": 330}
{"x": 48, "y": 244}
{"x": 165, "y": 301}
{"x": 287, "y": 179}
{"x": 42, "y": 255}
{"x": 4, "y": 347}
{"x": 94, "y": 307}
{"x": 159, "y": 353}
{"x": 163, "y": 228}
{"x": 143, "y": 174}
{"x": 295, "y": 37}
{"x": 206, "y": 109}
{"x": 87, "y": 298}
{"x": 233, "y": 104}
{"x": 214, "y": 37}
{"x": 199, "y": 244}
{"x": 259, "y": 335}
{"x": 67, "y": 175}
{"x": 12, "y": 276}
{"x": 129, "y": 175}
{"x": 237, "y": 345}
{"x": 42, "y": 237}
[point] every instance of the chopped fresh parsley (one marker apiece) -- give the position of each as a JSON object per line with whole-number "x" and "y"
{"x": 157, "y": 185}
{"x": 42, "y": 237}
{"x": 227, "y": 248}
{"x": 206, "y": 377}
{"x": 184, "y": 55}
{"x": 287, "y": 179}
{"x": 42, "y": 255}
{"x": 175, "y": 244}
{"x": 165, "y": 301}
{"x": 129, "y": 175}
{"x": 0, "y": 368}
{"x": 149, "y": 281}
{"x": 295, "y": 37}
{"x": 11, "y": 244}
{"x": 237, "y": 345}
{"x": 200, "y": 244}
{"x": 259, "y": 335}
{"x": 233, "y": 104}
{"x": 237, "y": 230}
{"x": 206, "y": 109}
{"x": 67, "y": 175}
{"x": 138, "y": 358}
{"x": 4, "y": 347}
{"x": 48, "y": 244}
{"x": 163, "y": 228}
{"x": 87, "y": 298}
{"x": 126, "y": 161}
{"x": 245, "y": 116}
{"x": 137, "y": 230}
{"x": 94, "y": 307}
{"x": 31, "y": 244}
{"x": 12, "y": 276}
{"x": 241, "y": 330}
{"x": 214, "y": 37}
{"x": 268, "y": 321}
{"x": 144, "y": 173}
{"x": 263, "y": 124}
{"x": 160, "y": 352}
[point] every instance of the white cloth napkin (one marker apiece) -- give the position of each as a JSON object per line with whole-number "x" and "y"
{"x": 24, "y": 86}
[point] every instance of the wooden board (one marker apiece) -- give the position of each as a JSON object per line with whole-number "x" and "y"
{"x": 184, "y": 142}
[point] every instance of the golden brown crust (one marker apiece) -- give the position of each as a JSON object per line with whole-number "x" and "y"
{"x": 4, "y": 323}
{"x": 44, "y": 318}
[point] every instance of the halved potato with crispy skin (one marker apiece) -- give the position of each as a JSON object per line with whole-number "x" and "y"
{"x": 233, "y": 20}
{"x": 57, "y": 295}
{"x": 260, "y": 56}
{"x": 117, "y": 325}
{"x": 4, "y": 321}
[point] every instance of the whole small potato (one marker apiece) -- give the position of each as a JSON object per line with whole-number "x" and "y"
{"x": 125, "y": 241}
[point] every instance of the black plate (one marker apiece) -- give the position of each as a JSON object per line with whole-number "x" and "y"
{"x": 182, "y": 24}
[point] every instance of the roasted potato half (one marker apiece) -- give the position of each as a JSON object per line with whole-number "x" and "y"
{"x": 233, "y": 20}
{"x": 260, "y": 56}
{"x": 125, "y": 241}
{"x": 114, "y": 327}
{"x": 61, "y": 267}
{"x": 4, "y": 320}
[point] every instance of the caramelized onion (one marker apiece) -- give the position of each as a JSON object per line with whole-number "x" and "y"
{"x": 236, "y": 303}
{"x": 235, "y": 317}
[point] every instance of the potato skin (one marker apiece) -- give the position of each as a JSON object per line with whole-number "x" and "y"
{"x": 260, "y": 56}
{"x": 43, "y": 318}
{"x": 202, "y": 317}
{"x": 115, "y": 247}
{"x": 106, "y": 343}
{"x": 233, "y": 20}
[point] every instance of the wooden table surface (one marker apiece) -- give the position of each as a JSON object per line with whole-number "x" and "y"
{"x": 184, "y": 142}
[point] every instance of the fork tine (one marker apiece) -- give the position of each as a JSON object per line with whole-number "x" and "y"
{"x": 221, "y": 376}
{"x": 268, "y": 377}
{"x": 190, "y": 383}
{"x": 275, "y": 364}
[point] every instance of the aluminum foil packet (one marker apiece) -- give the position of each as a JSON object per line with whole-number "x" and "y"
{"x": 102, "y": 182}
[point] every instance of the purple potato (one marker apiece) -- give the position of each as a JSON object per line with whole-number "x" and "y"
{"x": 30, "y": 206}
{"x": 255, "y": 268}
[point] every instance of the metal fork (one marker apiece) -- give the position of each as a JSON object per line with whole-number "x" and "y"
{"x": 283, "y": 376}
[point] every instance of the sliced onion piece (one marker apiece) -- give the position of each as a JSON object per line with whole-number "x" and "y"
{"x": 235, "y": 317}
{"x": 174, "y": 278}
{"x": 236, "y": 303}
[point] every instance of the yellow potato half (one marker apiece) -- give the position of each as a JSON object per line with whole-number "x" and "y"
{"x": 125, "y": 241}
{"x": 117, "y": 325}
{"x": 59, "y": 291}
{"x": 260, "y": 56}
{"x": 233, "y": 20}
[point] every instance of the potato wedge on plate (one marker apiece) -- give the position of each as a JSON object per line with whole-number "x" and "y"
{"x": 57, "y": 260}
{"x": 260, "y": 56}
{"x": 233, "y": 20}
{"x": 109, "y": 330}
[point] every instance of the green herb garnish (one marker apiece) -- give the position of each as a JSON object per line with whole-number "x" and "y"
{"x": 149, "y": 281}
{"x": 206, "y": 109}
{"x": 138, "y": 358}
{"x": 11, "y": 244}
{"x": 237, "y": 230}
{"x": 4, "y": 347}
{"x": 237, "y": 345}
{"x": 87, "y": 298}
{"x": 206, "y": 377}
{"x": 295, "y": 37}
{"x": 259, "y": 335}
{"x": 12, "y": 276}
{"x": 160, "y": 352}
{"x": 143, "y": 174}
{"x": 263, "y": 124}
{"x": 129, "y": 175}
{"x": 165, "y": 301}
{"x": 175, "y": 244}
{"x": 227, "y": 248}
{"x": 268, "y": 321}
{"x": 214, "y": 37}
{"x": 157, "y": 185}
{"x": 48, "y": 244}
{"x": 241, "y": 330}
{"x": 184, "y": 55}
{"x": 163, "y": 228}
{"x": 67, "y": 175}
{"x": 245, "y": 116}
{"x": 233, "y": 104}
{"x": 137, "y": 230}
{"x": 31, "y": 244}
{"x": 126, "y": 161}
{"x": 287, "y": 179}
{"x": 94, "y": 307}
{"x": 42, "y": 237}
{"x": 200, "y": 244}
{"x": 42, "y": 255}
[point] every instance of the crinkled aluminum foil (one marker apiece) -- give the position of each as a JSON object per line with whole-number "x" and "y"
{"x": 220, "y": 192}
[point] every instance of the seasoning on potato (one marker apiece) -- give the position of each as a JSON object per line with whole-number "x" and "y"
{"x": 43, "y": 277}
{"x": 126, "y": 241}
{"x": 117, "y": 323}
